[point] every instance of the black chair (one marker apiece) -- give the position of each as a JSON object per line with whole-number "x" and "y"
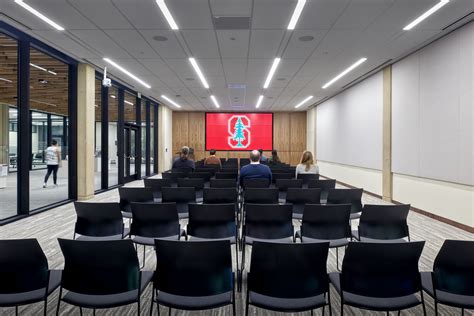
{"x": 193, "y": 275}
{"x": 232, "y": 161}
{"x": 323, "y": 223}
{"x": 380, "y": 276}
{"x": 101, "y": 274}
{"x": 261, "y": 196}
{"x": 452, "y": 280}
{"x": 223, "y": 160}
{"x": 288, "y": 278}
{"x": 208, "y": 169}
{"x": 129, "y": 195}
{"x": 284, "y": 184}
{"x": 154, "y": 220}
{"x": 281, "y": 175}
{"x": 255, "y": 183}
{"x": 157, "y": 184}
{"x": 25, "y": 275}
{"x": 200, "y": 175}
{"x": 306, "y": 177}
{"x": 223, "y": 183}
{"x": 298, "y": 198}
{"x": 196, "y": 183}
{"x": 99, "y": 221}
{"x": 244, "y": 162}
{"x": 173, "y": 176}
{"x": 181, "y": 196}
{"x": 324, "y": 185}
{"x": 227, "y": 175}
{"x": 220, "y": 195}
{"x": 345, "y": 196}
{"x": 383, "y": 223}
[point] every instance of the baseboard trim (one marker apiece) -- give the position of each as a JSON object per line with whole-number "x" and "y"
{"x": 416, "y": 210}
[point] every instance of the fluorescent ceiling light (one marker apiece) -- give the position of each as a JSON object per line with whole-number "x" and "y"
{"x": 128, "y": 73}
{"x": 342, "y": 74}
{"x": 259, "y": 101}
{"x": 112, "y": 96}
{"x": 38, "y": 67}
{"x": 438, "y": 6}
{"x": 40, "y": 15}
{"x": 276, "y": 61}
{"x": 303, "y": 102}
{"x": 213, "y": 98}
{"x": 4, "y": 79}
{"x": 128, "y": 102}
{"x": 296, "y": 14}
{"x": 199, "y": 72}
{"x": 170, "y": 101}
{"x": 52, "y": 72}
{"x": 167, "y": 14}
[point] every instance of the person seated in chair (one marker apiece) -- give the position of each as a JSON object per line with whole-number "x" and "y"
{"x": 212, "y": 160}
{"x": 255, "y": 170}
{"x": 183, "y": 161}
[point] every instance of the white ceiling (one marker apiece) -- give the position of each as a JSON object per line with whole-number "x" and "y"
{"x": 343, "y": 31}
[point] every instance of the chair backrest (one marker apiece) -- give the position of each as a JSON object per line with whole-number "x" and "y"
{"x": 227, "y": 175}
{"x": 212, "y": 220}
{"x": 324, "y": 185}
{"x": 285, "y": 184}
{"x": 220, "y": 195}
{"x": 281, "y": 175}
{"x": 453, "y": 269}
{"x": 206, "y": 176}
{"x": 98, "y": 219}
{"x": 157, "y": 184}
{"x": 199, "y": 268}
{"x": 303, "y": 196}
{"x": 184, "y": 170}
{"x": 289, "y": 271}
{"x": 344, "y": 196}
{"x": 232, "y": 161}
{"x": 326, "y": 221}
{"x": 178, "y": 195}
{"x": 99, "y": 267}
{"x": 307, "y": 176}
{"x": 223, "y": 160}
{"x": 268, "y": 221}
{"x": 384, "y": 221}
{"x": 173, "y": 176}
{"x": 223, "y": 183}
{"x": 207, "y": 169}
{"x": 244, "y": 161}
{"x": 255, "y": 183}
{"x": 261, "y": 196}
{"x": 197, "y": 183}
{"x": 23, "y": 266}
{"x": 154, "y": 220}
{"x": 129, "y": 195}
{"x": 382, "y": 269}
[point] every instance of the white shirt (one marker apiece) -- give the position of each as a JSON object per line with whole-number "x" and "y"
{"x": 52, "y": 155}
{"x": 300, "y": 168}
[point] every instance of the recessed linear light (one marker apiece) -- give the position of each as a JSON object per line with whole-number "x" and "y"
{"x": 303, "y": 102}
{"x": 128, "y": 73}
{"x": 6, "y": 80}
{"x": 342, "y": 74}
{"x": 213, "y": 98}
{"x": 276, "y": 61}
{"x": 259, "y": 101}
{"x": 199, "y": 72}
{"x": 128, "y": 102}
{"x": 112, "y": 96}
{"x": 171, "y": 101}
{"x": 167, "y": 14}
{"x": 38, "y": 67}
{"x": 52, "y": 72}
{"x": 438, "y": 6}
{"x": 296, "y": 14}
{"x": 40, "y": 15}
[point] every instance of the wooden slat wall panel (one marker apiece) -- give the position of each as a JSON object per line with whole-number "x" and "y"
{"x": 281, "y": 127}
{"x": 180, "y": 130}
{"x": 196, "y": 131}
{"x": 298, "y": 131}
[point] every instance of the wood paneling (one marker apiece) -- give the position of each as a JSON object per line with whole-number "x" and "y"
{"x": 289, "y": 135}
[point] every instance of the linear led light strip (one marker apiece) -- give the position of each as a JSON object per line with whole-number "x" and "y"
{"x": 128, "y": 102}
{"x": 303, "y": 102}
{"x": 438, "y": 6}
{"x": 213, "y": 98}
{"x": 39, "y": 15}
{"x": 345, "y": 72}
{"x": 43, "y": 69}
{"x": 259, "y": 101}
{"x": 296, "y": 14}
{"x": 164, "y": 9}
{"x": 170, "y": 101}
{"x": 6, "y": 80}
{"x": 276, "y": 61}
{"x": 128, "y": 73}
{"x": 199, "y": 72}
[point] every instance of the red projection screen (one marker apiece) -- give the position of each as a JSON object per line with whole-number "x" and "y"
{"x": 239, "y": 131}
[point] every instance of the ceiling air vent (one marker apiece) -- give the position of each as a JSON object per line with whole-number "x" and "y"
{"x": 231, "y": 22}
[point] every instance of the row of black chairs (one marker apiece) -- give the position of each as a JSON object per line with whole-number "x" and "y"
{"x": 198, "y": 275}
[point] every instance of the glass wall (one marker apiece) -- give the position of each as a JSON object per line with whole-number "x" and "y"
{"x": 143, "y": 140}
{"x": 49, "y": 108}
{"x": 98, "y": 136}
{"x": 8, "y": 126}
{"x": 113, "y": 133}
{"x": 152, "y": 138}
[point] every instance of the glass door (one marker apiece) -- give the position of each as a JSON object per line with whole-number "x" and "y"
{"x": 131, "y": 154}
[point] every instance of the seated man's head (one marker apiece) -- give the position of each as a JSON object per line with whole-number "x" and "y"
{"x": 212, "y": 152}
{"x": 255, "y": 156}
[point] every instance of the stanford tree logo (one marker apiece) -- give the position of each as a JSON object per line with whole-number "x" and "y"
{"x": 238, "y": 127}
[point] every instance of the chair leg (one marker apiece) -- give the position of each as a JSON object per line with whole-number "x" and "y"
{"x": 312, "y": 313}
{"x": 399, "y": 312}
{"x": 169, "y": 311}
{"x": 324, "y": 309}
{"x": 46, "y": 306}
{"x": 138, "y": 307}
{"x": 59, "y": 300}
{"x": 423, "y": 303}
{"x": 234, "y": 312}
{"x": 153, "y": 302}
{"x": 329, "y": 302}
{"x": 436, "y": 307}
{"x": 342, "y": 309}
{"x": 80, "y": 311}
{"x": 462, "y": 311}
{"x": 16, "y": 310}
{"x": 337, "y": 259}
{"x": 93, "y": 311}
{"x": 143, "y": 262}
{"x": 388, "y": 313}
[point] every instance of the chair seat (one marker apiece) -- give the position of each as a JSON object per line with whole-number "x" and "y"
{"x": 374, "y": 303}
{"x": 194, "y": 302}
{"x": 127, "y": 214}
{"x": 32, "y": 296}
{"x": 250, "y": 240}
{"x": 455, "y": 300}
{"x": 355, "y": 215}
{"x": 150, "y": 241}
{"x": 286, "y": 304}
{"x": 109, "y": 300}
{"x": 126, "y": 232}
{"x": 333, "y": 243}
{"x": 355, "y": 234}
{"x": 194, "y": 238}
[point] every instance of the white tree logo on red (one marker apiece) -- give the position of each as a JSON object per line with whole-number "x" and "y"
{"x": 238, "y": 128}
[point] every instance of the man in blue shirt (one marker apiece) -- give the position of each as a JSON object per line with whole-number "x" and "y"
{"x": 255, "y": 170}
{"x": 183, "y": 162}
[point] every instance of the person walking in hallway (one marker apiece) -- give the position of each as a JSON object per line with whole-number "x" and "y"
{"x": 53, "y": 161}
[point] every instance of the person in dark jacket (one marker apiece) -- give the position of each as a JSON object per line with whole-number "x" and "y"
{"x": 183, "y": 162}
{"x": 255, "y": 170}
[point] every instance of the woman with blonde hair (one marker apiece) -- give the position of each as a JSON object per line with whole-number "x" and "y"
{"x": 307, "y": 164}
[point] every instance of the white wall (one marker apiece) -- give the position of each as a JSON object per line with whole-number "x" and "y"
{"x": 165, "y": 128}
{"x": 311, "y": 130}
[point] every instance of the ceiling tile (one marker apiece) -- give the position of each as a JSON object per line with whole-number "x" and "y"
{"x": 105, "y": 15}
{"x": 170, "y": 48}
{"x": 142, "y": 14}
{"x": 133, "y": 43}
{"x": 265, "y": 43}
{"x": 301, "y": 45}
{"x": 191, "y": 14}
{"x": 101, "y": 42}
{"x": 202, "y": 43}
{"x": 272, "y": 14}
{"x": 233, "y": 43}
